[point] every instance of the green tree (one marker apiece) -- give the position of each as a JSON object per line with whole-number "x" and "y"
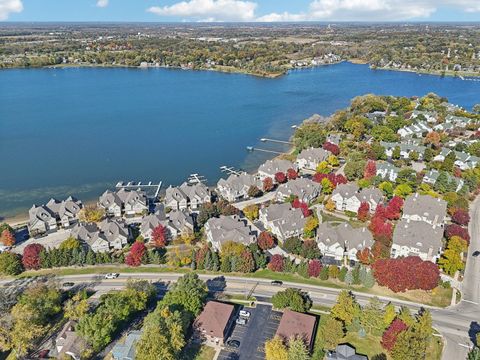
{"x": 389, "y": 314}
{"x": 188, "y": 293}
{"x": 70, "y": 243}
{"x": 76, "y": 307}
{"x": 451, "y": 262}
{"x": 275, "y": 349}
{"x": 10, "y": 263}
{"x": 332, "y": 333}
{"x": 371, "y": 317}
{"x": 396, "y": 152}
{"x": 403, "y": 190}
{"x": 294, "y": 299}
{"x": 297, "y": 349}
{"x": 346, "y": 308}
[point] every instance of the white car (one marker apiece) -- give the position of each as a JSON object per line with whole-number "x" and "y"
{"x": 112, "y": 275}
{"x": 245, "y": 313}
{"x": 241, "y": 321}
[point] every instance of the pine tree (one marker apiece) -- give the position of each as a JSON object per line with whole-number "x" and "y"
{"x": 90, "y": 258}
{"x": 215, "y": 261}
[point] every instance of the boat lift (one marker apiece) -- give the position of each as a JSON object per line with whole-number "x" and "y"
{"x": 133, "y": 185}
{"x": 229, "y": 170}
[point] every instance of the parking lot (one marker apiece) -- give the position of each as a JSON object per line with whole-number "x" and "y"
{"x": 261, "y": 326}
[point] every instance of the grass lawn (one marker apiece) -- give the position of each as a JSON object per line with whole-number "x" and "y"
{"x": 368, "y": 345}
{"x": 198, "y": 352}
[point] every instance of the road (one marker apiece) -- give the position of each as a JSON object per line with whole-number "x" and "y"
{"x": 267, "y": 197}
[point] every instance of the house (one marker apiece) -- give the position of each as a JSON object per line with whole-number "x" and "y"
{"x": 334, "y": 138}
{"x": 53, "y": 215}
{"x": 344, "y": 352}
{"x": 425, "y": 208}
{"x": 126, "y": 350}
{"x": 432, "y": 176}
{"x": 236, "y": 186}
{"x": 463, "y": 160}
{"x": 214, "y": 322}
{"x": 387, "y": 171}
{"x": 429, "y": 116}
{"x": 271, "y": 167}
{"x": 405, "y": 149}
{"x": 417, "y": 238}
{"x": 187, "y": 195}
{"x": 68, "y": 343}
{"x": 150, "y": 222}
{"x": 348, "y": 198}
{"x": 283, "y": 221}
{"x": 299, "y": 325}
{"x": 228, "y": 228}
{"x": 180, "y": 223}
{"x": 342, "y": 240}
{"x": 376, "y": 116}
{"x": 304, "y": 189}
{"x": 414, "y": 130}
{"x": 309, "y": 159}
{"x": 108, "y": 235}
{"x": 124, "y": 202}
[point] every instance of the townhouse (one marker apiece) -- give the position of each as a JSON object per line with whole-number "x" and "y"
{"x": 236, "y": 186}
{"x": 309, "y": 158}
{"x": 283, "y": 221}
{"x": 271, "y": 167}
{"x": 347, "y": 197}
{"x": 228, "y": 228}
{"x": 304, "y": 189}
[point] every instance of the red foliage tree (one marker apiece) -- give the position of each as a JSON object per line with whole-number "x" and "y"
{"x": 370, "y": 170}
{"x": 280, "y": 177}
{"x": 457, "y": 230}
{"x": 276, "y": 263}
{"x": 341, "y": 179}
{"x": 135, "y": 256}
{"x": 247, "y": 264}
{"x": 364, "y": 256}
{"x": 457, "y": 172}
{"x": 394, "y": 207}
{"x": 265, "y": 240}
{"x": 363, "y": 211}
{"x": 31, "y": 256}
{"x": 267, "y": 184}
{"x": 381, "y": 230}
{"x": 159, "y": 236}
{"x": 297, "y": 204}
{"x": 461, "y": 217}
{"x": 332, "y": 177}
{"x": 389, "y": 337}
{"x": 292, "y": 174}
{"x": 334, "y": 149}
{"x": 314, "y": 268}
{"x": 7, "y": 238}
{"x": 408, "y": 273}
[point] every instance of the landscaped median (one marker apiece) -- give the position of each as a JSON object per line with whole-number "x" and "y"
{"x": 438, "y": 297}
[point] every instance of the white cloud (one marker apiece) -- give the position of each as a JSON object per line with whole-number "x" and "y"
{"x": 9, "y": 6}
{"x": 214, "y": 10}
{"x": 102, "y": 3}
{"x": 336, "y": 10}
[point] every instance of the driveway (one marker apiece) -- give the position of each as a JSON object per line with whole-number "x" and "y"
{"x": 267, "y": 197}
{"x": 261, "y": 327}
{"x": 52, "y": 240}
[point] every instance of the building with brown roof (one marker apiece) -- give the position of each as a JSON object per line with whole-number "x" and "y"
{"x": 215, "y": 321}
{"x": 295, "y": 324}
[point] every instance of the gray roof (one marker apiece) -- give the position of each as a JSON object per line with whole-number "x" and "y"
{"x": 345, "y": 352}
{"x": 113, "y": 229}
{"x": 345, "y": 235}
{"x": 86, "y": 233}
{"x": 151, "y": 221}
{"x": 174, "y": 194}
{"x": 180, "y": 220}
{"x": 109, "y": 198}
{"x": 126, "y": 351}
{"x": 386, "y": 166}
{"x": 69, "y": 340}
{"x": 425, "y": 205}
{"x": 238, "y": 182}
{"x": 198, "y": 190}
{"x": 288, "y": 220}
{"x": 230, "y": 228}
{"x": 370, "y": 193}
{"x": 314, "y": 154}
{"x": 418, "y": 234}
{"x": 132, "y": 196}
{"x": 40, "y": 213}
{"x": 301, "y": 188}
{"x": 406, "y": 147}
{"x": 346, "y": 190}
{"x": 274, "y": 166}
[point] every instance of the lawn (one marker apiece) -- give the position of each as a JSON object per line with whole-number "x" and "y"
{"x": 198, "y": 352}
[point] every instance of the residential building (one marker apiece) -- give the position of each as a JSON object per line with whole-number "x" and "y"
{"x": 432, "y": 176}
{"x": 271, "y": 167}
{"x": 53, "y": 215}
{"x": 343, "y": 240}
{"x": 124, "y": 202}
{"x": 417, "y": 238}
{"x": 175, "y": 198}
{"x": 425, "y": 208}
{"x": 334, "y": 138}
{"x": 187, "y": 195}
{"x": 283, "y": 221}
{"x": 309, "y": 158}
{"x": 298, "y": 325}
{"x": 344, "y": 352}
{"x": 405, "y": 149}
{"x": 304, "y": 189}
{"x": 347, "y": 197}
{"x": 236, "y": 186}
{"x": 463, "y": 160}
{"x": 228, "y": 228}
{"x": 68, "y": 343}
{"x": 429, "y": 116}
{"x": 387, "y": 171}
{"x": 415, "y": 130}
{"x": 111, "y": 203}
{"x": 126, "y": 350}
{"x": 116, "y": 232}
{"x": 176, "y": 223}
{"x": 108, "y": 235}
{"x": 150, "y": 222}
{"x": 214, "y": 322}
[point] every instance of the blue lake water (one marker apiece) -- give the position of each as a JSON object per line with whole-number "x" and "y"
{"x": 80, "y": 130}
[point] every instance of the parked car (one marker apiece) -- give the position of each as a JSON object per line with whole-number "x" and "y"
{"x": 68, "y": 284}
{"x": 241, "y": 321}
{"x": 245, "y": 313}
{"x": 112, "y": 275}
{"x": 277, "y": 282}
{"x": 233, "y": 343}
{"x": 476, "y": 253}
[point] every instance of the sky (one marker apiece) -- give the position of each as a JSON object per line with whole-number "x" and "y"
{"x": 239, "y": 10}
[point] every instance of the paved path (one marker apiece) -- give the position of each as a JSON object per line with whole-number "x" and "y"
{"x": 267, "y": 197}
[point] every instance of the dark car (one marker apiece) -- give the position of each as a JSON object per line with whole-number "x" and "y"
{"x": 233, "y": 343}
{"x": 68, "y": 284}
{"x": 476, "y": 253}
{"x": 277, "y": 283}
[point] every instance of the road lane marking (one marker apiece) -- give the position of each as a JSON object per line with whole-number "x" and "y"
{"x": 465, "y": 346}
{"x": 469, "y": 301}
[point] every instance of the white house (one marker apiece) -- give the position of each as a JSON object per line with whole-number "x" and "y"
{"x": 425, "y": 208}
{"x": 236, "y": 186}
{"x": 283, "y": 221}
{"x": 347, "y": 197}
{"x": 387, "y": 171}
{"x": 271, "y": 167}
{"x": 228, "y": 228}
{"x": 309, "y": 158}
{"x": 304, "y": 189}
{"x": 416, "y": 129}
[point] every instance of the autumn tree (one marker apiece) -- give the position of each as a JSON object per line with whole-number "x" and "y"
{"x": 254, "y": 192}
{"x": 394, "y": 207}
{"x": 159, "y": 236}
{"x": 297, "y": 204}
{"x": 389, "y": 337}
{"x": 7, "y": 238}
{"x": 332, "y": 333}
{"x": 297, "y": 350}
{"x": 364, "y": 256}
{"x": 461, "y": 217}
{"x": 136, "y": 254}
{"x": 276, "y": 263}
{"x": 433, "y": 138}
{"x": 314, "y": 268}
{"x": 265, "y": 240}
{"x": 457, "y": 230}
{"x": 370, "y": 170}
{"x": 346, "y": 308}
{"x": 334, "y": 149}
{"x": 91, "y": 213}
{"x": 292, "y": 174}
{"x": 280, "y": 177}
{"x": 275, "y": 349}
{"x": 310, "y": 226}
{"x": 251, "y": 212}
{"x": 267, "y": 184}
{"x": 31, "y": 256}
{"x": 363, "y": 211}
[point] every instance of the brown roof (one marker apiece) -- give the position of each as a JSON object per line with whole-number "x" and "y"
{"x": 214, "y": 318}
{"x": 297, "y": 324}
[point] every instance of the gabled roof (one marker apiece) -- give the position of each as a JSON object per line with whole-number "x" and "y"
{"x": 300, "y": 187}
{"x": 276, "y": 165}
{"x": 314, "y": 154}
{"x": 424, "y": 205}
{"x": 214, "y": 318}
{"x": 109, "y": 198}
{"x": 418, "y": 234}
{"x": 297, "y": 325}
{"x": 238, "y": 182}
{"x": 230, "y": 228}
{"x": 346, "y": 191}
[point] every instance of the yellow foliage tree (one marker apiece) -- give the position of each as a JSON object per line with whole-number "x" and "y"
{"x": 275, "y": 349}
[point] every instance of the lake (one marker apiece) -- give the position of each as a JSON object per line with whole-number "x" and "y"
{"x": 80, "y": 130}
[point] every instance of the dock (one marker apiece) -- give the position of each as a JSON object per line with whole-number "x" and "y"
{"x": 229, "y": 170}
{"x": 276, "y": 141}
{"x": 251, "y": 148}
{"x": 139, "y": 185}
